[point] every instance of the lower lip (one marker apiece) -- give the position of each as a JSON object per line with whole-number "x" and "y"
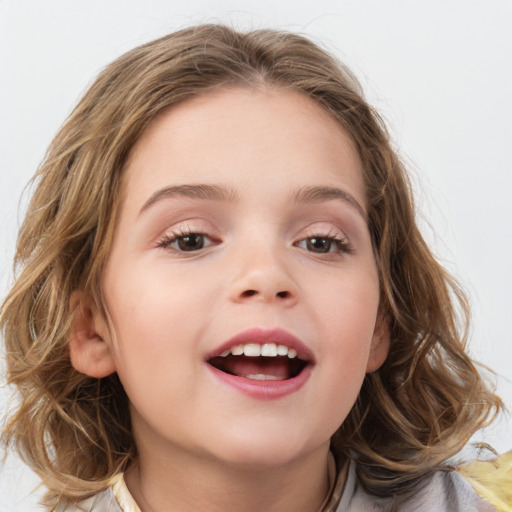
{"x": 263, "y": 389}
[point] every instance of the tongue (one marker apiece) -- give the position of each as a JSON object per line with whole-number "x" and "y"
{"x": 275, "y": 368}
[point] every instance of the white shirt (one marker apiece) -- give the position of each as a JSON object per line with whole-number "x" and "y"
{"x": 445, "y": 492}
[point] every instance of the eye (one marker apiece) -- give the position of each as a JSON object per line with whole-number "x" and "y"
{"x": 192, "y": 242}
{"x": 325, "y": 244}
{"x": 319, "y": 244}
{"x": 185, "y": 242}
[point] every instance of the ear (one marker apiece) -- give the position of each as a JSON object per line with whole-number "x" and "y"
{"x": 379, "y": 348}
{"x": 89, "y": 352}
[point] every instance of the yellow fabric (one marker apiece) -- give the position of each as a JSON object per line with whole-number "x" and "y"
{"x": 123, "y": 496}
{"x": 492, "y": 480}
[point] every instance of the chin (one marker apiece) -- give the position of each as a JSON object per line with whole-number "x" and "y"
{"x": 266, "y": 452}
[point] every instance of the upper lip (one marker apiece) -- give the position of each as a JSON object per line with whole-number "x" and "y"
{"x": 262, "y": 336}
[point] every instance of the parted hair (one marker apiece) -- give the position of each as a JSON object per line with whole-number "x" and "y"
{"x": 412, "y": 414}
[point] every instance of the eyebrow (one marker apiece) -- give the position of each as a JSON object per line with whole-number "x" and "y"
{"x": 320, "y": 194}
{"x": 196, "y": 191}
{"x": 313, "y": 194}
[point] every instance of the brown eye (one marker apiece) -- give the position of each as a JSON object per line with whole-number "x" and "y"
{"x": 319, "y": 244}
{"x": 185, "y": 242}
{"x": 331, "y": 245}
{"x": 190, "y": 242}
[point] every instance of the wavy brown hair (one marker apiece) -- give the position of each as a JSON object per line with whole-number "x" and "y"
{"x": 412, "y": 414}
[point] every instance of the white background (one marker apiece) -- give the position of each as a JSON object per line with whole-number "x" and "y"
{"x": 439, "y": 71}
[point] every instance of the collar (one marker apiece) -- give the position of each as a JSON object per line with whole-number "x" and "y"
{"x": 338, "y": 490}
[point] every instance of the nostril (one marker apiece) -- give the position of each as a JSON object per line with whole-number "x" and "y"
{"x": 249, "y": 293}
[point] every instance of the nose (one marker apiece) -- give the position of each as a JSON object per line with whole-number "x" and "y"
{"x": 263, "y": 275}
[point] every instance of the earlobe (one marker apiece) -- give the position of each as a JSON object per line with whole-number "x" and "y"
{"x": 380, "y": 344}
{"x": 89, "y": 352}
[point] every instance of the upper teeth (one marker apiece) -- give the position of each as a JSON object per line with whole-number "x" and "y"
{"x": 256, "y": 350}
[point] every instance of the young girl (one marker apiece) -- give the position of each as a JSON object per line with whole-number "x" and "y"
{"x": 223, "y": 301}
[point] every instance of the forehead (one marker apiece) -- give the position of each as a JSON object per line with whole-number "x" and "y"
{"x": 235, "y": 135}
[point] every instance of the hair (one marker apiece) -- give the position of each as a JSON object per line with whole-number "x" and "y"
{"x": 411, "y": 415}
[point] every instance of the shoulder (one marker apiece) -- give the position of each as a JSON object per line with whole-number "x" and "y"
{"x": 444, "y": 491}
{"x": 492, "y": 479}
{"x": 448, "y": 490}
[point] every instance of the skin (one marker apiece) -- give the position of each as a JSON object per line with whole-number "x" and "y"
{"x": 204, "y": 445}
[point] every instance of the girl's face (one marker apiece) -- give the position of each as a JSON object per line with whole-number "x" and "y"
{"x": 242, "y": 230}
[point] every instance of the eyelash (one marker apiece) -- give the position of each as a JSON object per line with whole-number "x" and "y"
{"x": 341, "y": 244}
{"x": 170, "y": 238}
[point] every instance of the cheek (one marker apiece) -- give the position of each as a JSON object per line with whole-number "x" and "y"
{"x": 346, "y": 304}
{"x": 348, "y": 319}
{"x": 149, "y": 295}
{"x": 152, "y": 321}
{"x": 155, "y": 352}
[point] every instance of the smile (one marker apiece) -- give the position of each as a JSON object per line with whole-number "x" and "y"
{"x": 260, "y": 362}
{"x": 263, "y": 363}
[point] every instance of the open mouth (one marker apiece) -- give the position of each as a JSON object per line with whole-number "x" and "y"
{"x": 268, "y": 361}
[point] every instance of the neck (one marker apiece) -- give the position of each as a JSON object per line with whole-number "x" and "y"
{"x": 189, "y": 482}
